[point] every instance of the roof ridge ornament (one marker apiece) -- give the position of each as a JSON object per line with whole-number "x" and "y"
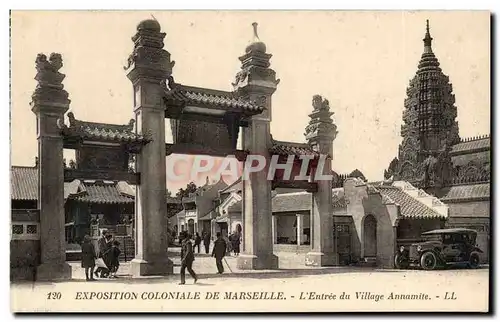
{"x": 256, "y": 45}
{"x": 255, "y": 33}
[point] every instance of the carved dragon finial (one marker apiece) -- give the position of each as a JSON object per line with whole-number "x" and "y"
{"x": 170, "y": 83}
{"x": 71, "y": 118}
{"x": 130, "y": 125}
{"x": 55, "y": 60}
{"x": 320, "y": 104}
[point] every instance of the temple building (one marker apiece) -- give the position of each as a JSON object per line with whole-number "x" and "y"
{"x": 437, "y": 180}
{"x": 434, "y": 158}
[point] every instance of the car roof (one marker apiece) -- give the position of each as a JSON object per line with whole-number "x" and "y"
{"x": 450, "y": 231}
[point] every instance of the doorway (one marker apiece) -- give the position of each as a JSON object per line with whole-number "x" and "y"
{"x": 370, "y": 236}
{"x": 191, "y": 227}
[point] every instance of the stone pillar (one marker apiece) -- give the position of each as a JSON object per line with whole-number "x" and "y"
{"x": 320, "y": 134}
{"x": 49, "y": 103}
{"x": 300, "y": 229}
{"x": 257, "y": 82}
{"x": 149, "y": 65}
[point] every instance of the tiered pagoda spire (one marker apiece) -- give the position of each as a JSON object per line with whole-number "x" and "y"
{"x": 429, "y": 124}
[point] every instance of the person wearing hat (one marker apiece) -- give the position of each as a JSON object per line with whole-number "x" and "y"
{"x": 102, "y": 243}
{"x": 187, "y": 259}
{"x": 88, "y": 257}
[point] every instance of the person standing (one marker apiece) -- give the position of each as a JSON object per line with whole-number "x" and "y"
{"x": 115, "y": 258}
{"x": 235, "y": 240}
{"x": 187, "y": 259}
{"x": 197, "y": 242}
{"x": 88, "y": 258}
{"x": 102, "y": 243}
{"x": 219, "y": 251}
{"x": 206, "y": 242}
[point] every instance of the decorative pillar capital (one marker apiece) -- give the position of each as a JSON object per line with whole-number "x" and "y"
{"x": 49, "y": 96}
{"x": 321, "y": 131}
{"x": 256, "y": 81}
{"x": 148, "y": 59}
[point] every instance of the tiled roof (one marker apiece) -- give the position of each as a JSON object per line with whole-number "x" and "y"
{"x": 24, "y": 186}
{"x": 210, "y": 215}
{"x": 471, "y": 145}
{"x": 190, "y": 95}
{"x": 102, "y": 131}
{"x": 235, "y": 186}
{"x": 409, "y": 206}
{"x": 464, "y": 192}
{"x": 172, "y": 200}
{"x": 292, "y": 148}
{"x": 299, "y": 201}
{"x": 302, "y": 201}
{"x": 189, "y": 199}
{"x": 101, "y": 192}
{"x": 24, "y": 183}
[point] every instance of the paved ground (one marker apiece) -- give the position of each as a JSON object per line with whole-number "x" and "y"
{"x": 303, "y": 289}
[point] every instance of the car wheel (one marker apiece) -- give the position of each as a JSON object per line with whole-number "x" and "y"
{"x": 428, "y": 261}
{"x": 474, "y": 261}
{"x": 400, "y": 262}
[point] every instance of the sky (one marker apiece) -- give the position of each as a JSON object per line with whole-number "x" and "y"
{"x": 360, "y": 61}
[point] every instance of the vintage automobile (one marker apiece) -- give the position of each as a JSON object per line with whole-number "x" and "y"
{"x": 441, "y": 248}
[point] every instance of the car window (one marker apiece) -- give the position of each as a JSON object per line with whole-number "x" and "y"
{"x": 447, "y": 239}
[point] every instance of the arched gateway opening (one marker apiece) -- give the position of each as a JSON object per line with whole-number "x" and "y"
{"x": 191, "y": 227}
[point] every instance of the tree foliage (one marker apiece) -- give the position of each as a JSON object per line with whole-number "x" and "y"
{"x": 190, "y": 188}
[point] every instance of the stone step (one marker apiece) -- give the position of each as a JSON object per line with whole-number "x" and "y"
{"x": 368, "y": 262}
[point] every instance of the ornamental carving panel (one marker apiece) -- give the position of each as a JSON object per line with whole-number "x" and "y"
{"x": 407, "y": 171}
{"x": 100, "y": 158}
{"x": 204, "y": 134}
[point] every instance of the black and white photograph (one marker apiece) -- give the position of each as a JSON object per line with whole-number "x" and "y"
{"x": 250, "y": 161}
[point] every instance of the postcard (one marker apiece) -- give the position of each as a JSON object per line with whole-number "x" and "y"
{"x": 250, "y": 161}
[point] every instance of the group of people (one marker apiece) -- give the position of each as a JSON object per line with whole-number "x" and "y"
{"x": 205, "y": 238}
{"x": 106, "y": 259}
{"x": 234, "y": 242}
{"x": 187, "y": 255}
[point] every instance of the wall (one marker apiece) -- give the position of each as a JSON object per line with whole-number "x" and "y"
{"x": 482, "y": 226}
{"x": 362, "y": 203}
{"x": 412, "y": 229}
{"x": 24, "y": 244}
{"x": 474, "y": 215}
{"x": 469, "y": 209}
{"x": 205, "y": 201}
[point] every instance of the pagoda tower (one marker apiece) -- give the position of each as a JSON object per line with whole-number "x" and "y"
{"x": 429, "y": 125}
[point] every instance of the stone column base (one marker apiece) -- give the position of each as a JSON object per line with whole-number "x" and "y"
{"x": 53, "y": 272}
{"x": 321, "y": 259}
{"x": 256, "y": 262}
{"x": 140, "y": 267}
